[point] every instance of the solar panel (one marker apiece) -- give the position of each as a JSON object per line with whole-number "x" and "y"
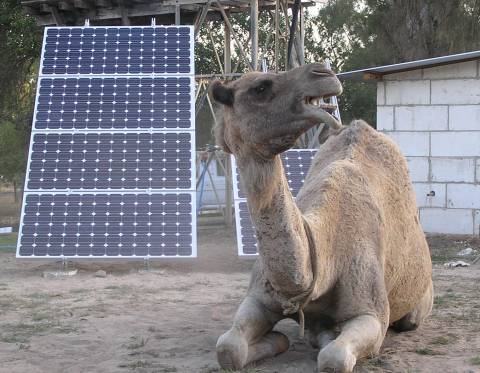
{"x": 111, "y": 168}
{"x": 296, "y": 163}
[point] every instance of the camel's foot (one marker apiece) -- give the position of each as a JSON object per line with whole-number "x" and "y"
{"x": 336, "y": 357}
{"x": 414, "y": 318}
{"x": 233, "y": 351}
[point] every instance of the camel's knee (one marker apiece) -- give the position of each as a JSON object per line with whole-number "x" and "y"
{"x": 415, "y": 317}
{"x": 232, "y": 350}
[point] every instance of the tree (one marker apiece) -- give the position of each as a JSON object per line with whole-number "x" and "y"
{"x": 12, "y": 155}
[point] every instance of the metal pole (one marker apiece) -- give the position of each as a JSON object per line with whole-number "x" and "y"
{"x": 228, "y": 165}
{"x": 277, "y": 33}
{"x": 254, "y": 32}
{"x": 177, "y": 14}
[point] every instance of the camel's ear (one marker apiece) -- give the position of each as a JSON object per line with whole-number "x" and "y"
{"x": 221, "y": 93}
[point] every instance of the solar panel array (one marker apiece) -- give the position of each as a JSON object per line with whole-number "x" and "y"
{"x": 296, "y": 163}
{"x": 111, "y": 168}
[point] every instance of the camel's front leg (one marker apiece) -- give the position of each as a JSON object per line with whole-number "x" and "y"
{"x": 361, "y": 336}
{"x": 251, "y": 337}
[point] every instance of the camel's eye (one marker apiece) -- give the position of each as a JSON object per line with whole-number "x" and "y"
{"x": 262, "y": 87}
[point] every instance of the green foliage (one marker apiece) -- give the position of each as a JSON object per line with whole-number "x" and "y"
{"x": 12, "y": 152}
{"x": 19, "y": 52}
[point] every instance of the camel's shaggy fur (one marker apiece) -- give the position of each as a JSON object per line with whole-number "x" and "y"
{"x": 373, "y": 263}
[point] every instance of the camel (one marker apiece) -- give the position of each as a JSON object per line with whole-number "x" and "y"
{"x": 347, "y": 258}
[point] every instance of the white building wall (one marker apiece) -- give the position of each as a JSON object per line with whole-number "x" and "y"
{"x": 434, "y": 116}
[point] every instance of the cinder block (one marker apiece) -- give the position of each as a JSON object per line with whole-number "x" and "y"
{"x": 456, "y": 70}
{"x": 463, "y": 196}
{"x": 452, "y": 221}
{"x": 477, "y": 172}
{"x": 423, "y": 192}
{"x": 452, "y": 169}
{"x": 455, "y": 144}
{"x": 385, "y": 118}
{"x": 414, "y": 92}
{"x": 418, "y": 167}
{"x": 476, "y": 222}
{"x": 465, "y": 117}
{"x": 380, "y": 93}
{"x": 455, "y": 91}
{"x": 406, "y": 75}
{"x": 411, "y": 143}
{"x": 421, "y": 118}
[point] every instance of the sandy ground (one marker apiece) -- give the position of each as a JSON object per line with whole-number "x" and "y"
{"x": 167, "y": 319}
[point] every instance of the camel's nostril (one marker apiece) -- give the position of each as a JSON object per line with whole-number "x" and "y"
{"x": 322, "y": 72}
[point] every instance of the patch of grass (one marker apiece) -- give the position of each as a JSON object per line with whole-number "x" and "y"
{"x": 475, "y": 360}
{"x": 112, "y": 287}
{"x": 442, "y": 340}
{"x": 79, "y": 291}
{"x": 428, "y": 351}
{"x": 12, "y": 338}
{"x": 7, "y": 303}
{"x": 22, "y": 332}
{"x": 137, "y": 343}
{"x": 8, "y": 239}
{"x": 38, "y": 316}
{"x": 444, "y": 300}
{"x": 135, "y": 364}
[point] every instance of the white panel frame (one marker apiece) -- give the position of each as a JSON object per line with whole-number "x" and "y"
{"x": 191, "y": 130}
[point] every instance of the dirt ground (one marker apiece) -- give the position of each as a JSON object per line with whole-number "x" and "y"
{"x": 167, "y": 319}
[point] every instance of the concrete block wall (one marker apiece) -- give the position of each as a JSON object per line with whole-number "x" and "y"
{"x": 434, "y": 116}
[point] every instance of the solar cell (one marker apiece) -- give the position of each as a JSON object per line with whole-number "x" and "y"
{"x": 296, "y": 163}
{"x": 110, "y": 161}
{"x": 117, "y": 50}
{"x": 111, "y": 164}
{"x": 114, "y": 103}
{"x": 109, "y": 224}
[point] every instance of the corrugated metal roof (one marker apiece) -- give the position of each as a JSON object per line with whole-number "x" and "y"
{"x": 378, "y": 72}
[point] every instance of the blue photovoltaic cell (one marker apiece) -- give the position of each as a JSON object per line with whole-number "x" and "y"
{"x": 114, "y": 103}
{"x": 296, "y": 163}
{"x": 110, "y": 161}
{"x": 248, "y": 239}
{"x": 111, "y": 166}
{"x": 107, "y": 225}
{"x": 117, "y": 50}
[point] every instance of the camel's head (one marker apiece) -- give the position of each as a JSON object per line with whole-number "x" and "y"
{"x": 263, "y": 114}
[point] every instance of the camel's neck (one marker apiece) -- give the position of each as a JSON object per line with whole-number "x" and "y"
{"x": 278, "y": 222}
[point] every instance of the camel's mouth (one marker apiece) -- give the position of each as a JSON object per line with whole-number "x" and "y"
{"x": 319, "y": 102}
{"x": 324, "y": 110}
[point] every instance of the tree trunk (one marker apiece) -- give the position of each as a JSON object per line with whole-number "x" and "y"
{"x": 15, "y": 191}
